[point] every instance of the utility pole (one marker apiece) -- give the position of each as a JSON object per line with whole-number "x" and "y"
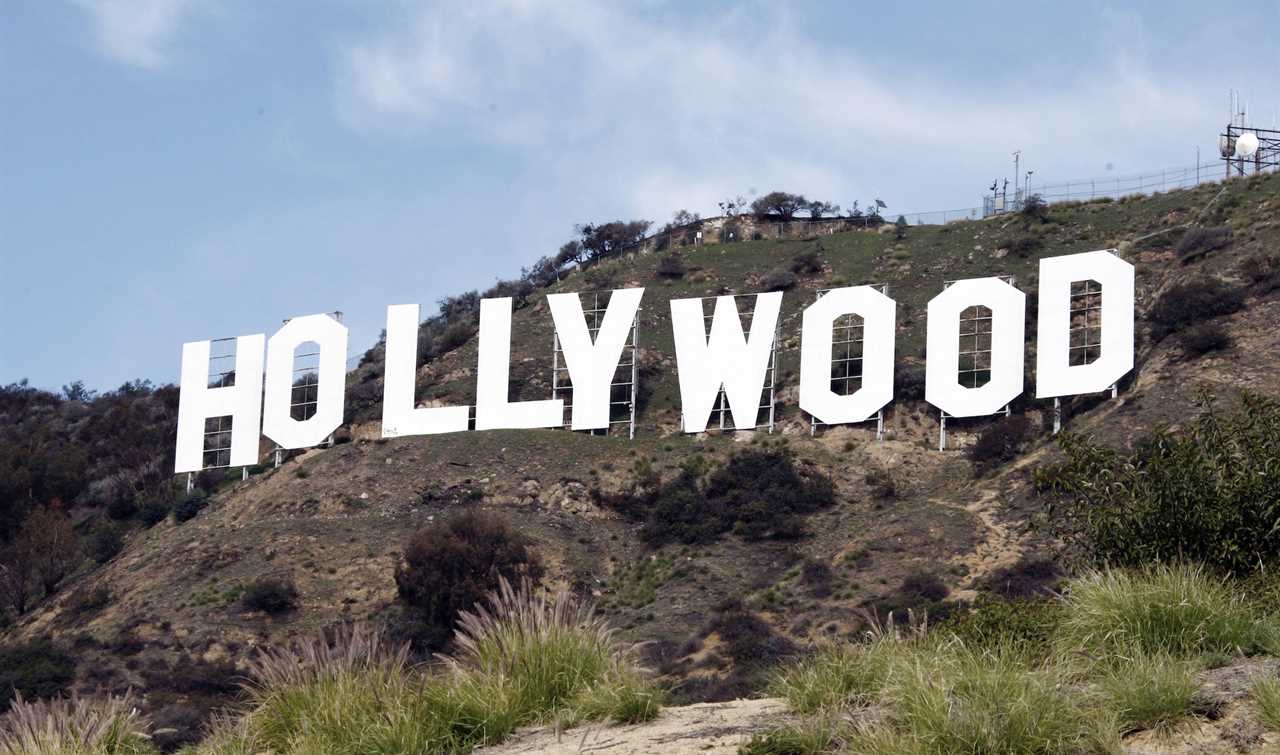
{"x": 1017, "y": 155}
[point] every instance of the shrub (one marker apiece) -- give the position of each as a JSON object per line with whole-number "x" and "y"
{"x": 1199, "y": 241}
{"x": 84, "y": 602}
{"x": 808, "y": 263}
{"x": 1262, "y": 271}
{"x": 671, "y": 267}
{"x": 1025, "y": 245}
{"x": 455, "y": 335}
{"x": 1176, "y": 610}
{"x": 153, "y": 512}
{"x": 925, "y": 586}
{"x": 881, "y": 484}
{"x": 999, "y": 443}
{"x": 1030, "y": 576}
{"x": 270, "y": 595}
{"x": 78, "y": 726}
{"x": 780, "y": 279}
{"x": 1035, "y": 208}
{"x": 35, "y": 669}
{"x": 1196, "y": 300}
{"x": 450, "y": 567}
{"x": 122, "y": 508}
{"x": 1149, "y": 692}
{"x": 816, "y": 574}
{"x": 189, "y": 507}
{"x": 909, "y": 383}
{"x": 1204, "y": 338}
{"x": 104, "y": 543}
{"x": 756, "y": 494}
{"x": 1205, "y": 494}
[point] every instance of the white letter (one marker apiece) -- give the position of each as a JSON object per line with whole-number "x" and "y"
{"x": 278, "y": 424}
{"x": 592, "y": 366}
{"x": 493, "y": 410}
{"x": 941, "y": 386}
{"x": 816, "y": 397}
{"x": 399, "y": 417}
{"x": 198, "y": 402}
{"x": 726, "y": 359}
{"x": 1054, "y": 374}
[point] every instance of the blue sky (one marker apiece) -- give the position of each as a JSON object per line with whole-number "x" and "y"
{"x": 174, "y": 170}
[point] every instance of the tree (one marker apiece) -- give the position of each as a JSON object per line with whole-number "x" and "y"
{"x": 683, "y": 218}
{"x": 778, "y": 204}
{"x": 733, "y": 207}
{"x": 820, "y": 209}
{"x": 570, "y": 251}
{"x": 47, "y": 541}
{"x": 606, "y": 239}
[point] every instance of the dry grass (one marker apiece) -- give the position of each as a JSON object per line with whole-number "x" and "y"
{"x": 80, "y": 726}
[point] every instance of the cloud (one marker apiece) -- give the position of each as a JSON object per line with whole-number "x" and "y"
{"x": 657, "y": 109}
{"x": 137, "y": 32}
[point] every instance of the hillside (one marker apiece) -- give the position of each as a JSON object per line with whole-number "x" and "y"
{"x": 907, "y": 526}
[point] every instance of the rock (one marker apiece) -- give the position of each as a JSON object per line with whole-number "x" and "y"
{"x": 702, "y": 729}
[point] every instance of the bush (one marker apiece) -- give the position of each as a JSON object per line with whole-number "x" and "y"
{"x": 1025, "y": 245}
{"x": 808, "y": 263}
{"x": 881, "y": 484}
{"x": 35, "y": 669}
{"x": 270, "y": 595}
{"x": 1199, "y": 241}
{"x": 189, "y": 507}
{"x": 757, "y": 494}
{"x": 999, "y": 443}
{"x": 153, "y": 512}
{"x": 451, "y": 566}
{"x": 1035, "y": 208}
{"x": 671, "y": 267}
{"x": 909, "y": 383}
{"x": 105, "y": 543}
{"x": 1174, "y": 610}
{"x": 1204, "y": 338}
{"x": 122, "y": 508}
{"x": 780, "y": 279}
{"x": 1194, "y": 301}
{"x": 1030, "y": 576}
{"x": 1205, "y": 494}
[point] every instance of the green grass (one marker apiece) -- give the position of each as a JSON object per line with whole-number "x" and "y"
{"x": 1118, "y": 654}
{"x": 1150, "y": 692}
{"x": 525, "y": 658}
{"x": 838, "y": 675}
{"x": 1266, "y": 694}
{"x": 1175, "y": 609}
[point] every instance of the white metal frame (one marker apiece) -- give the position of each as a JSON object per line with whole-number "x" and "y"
{"x": 1085, "y": 344}
{"x": 768, "y": 395}
{"x": 626, "y": 376}
{"x": 851, "y": 327}
{"x": 976, "y": 354}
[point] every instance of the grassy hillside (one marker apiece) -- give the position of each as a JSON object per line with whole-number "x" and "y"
{"x": 178, "y": 612}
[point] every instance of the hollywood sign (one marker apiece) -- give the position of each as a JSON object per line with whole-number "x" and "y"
{"x": 724, "y": 359}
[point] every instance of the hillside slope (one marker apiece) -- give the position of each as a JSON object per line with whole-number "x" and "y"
{"x": 714, "y": 614}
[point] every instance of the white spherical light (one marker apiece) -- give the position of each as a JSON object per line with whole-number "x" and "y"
{"x": 1247, "y": 145}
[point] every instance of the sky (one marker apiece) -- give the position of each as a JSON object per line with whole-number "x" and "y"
{"x": 176, "y": 170}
